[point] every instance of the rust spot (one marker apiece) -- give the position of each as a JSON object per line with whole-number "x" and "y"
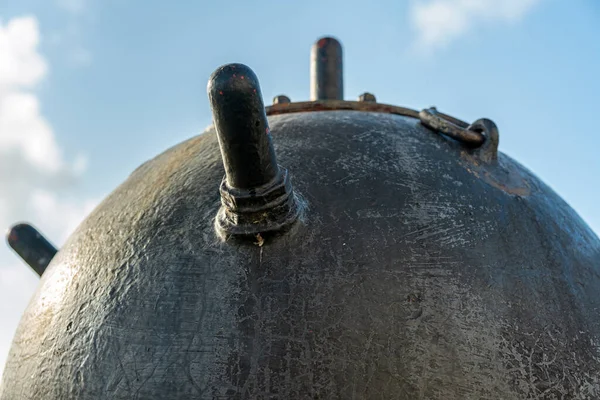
{"x": 12, "y": 236}
{"x": 259, "y": 240}
{"x": 242, "y": 76}
{"x": 331, "y": 105}
{"x": 254, "y": 90}
{"x": 505, "y": 187}
{"x": 322, "y": 42}
{"x": 221, "y": 92}
{"x": 234, "y": 75}
{"x": 267, "y": 130}
{"x": 509, "y": 181}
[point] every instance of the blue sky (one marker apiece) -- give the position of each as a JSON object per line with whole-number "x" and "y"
{"x": 117, "y": 82}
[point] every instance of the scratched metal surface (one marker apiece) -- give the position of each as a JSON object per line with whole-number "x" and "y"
{"x": 416, "y": 273}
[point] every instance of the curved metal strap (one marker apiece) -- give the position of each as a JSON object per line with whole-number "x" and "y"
{"x": 481, "y": 134}
{"x": 450, "y": 126}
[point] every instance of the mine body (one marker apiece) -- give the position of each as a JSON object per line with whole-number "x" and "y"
{"x": 325, "y": 249}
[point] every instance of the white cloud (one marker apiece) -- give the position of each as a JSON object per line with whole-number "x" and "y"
{"x": 34, "y": 173}
{"x": 23, "y": 130}
{"x": 20, "y": 64}
{"x": 439, "y": 22}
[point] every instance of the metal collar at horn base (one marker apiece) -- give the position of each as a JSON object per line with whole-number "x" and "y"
{"x": 259, "y": 210}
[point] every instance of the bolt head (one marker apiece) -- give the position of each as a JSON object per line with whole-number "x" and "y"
{"x": 281, "y": 99}
{"x": 367, "y": 97}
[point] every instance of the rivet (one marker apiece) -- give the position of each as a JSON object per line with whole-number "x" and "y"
{"x": 281, "y": 99}
{"x": 367, "y": 97}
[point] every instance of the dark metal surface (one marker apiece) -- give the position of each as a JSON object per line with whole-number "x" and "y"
{"x": 242, "y": 127}
{"x": 326, "y": 70}
{"x": 418, "y": 272}
{"x": 256, "y": 193}
{"x": 31, "y": 246}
